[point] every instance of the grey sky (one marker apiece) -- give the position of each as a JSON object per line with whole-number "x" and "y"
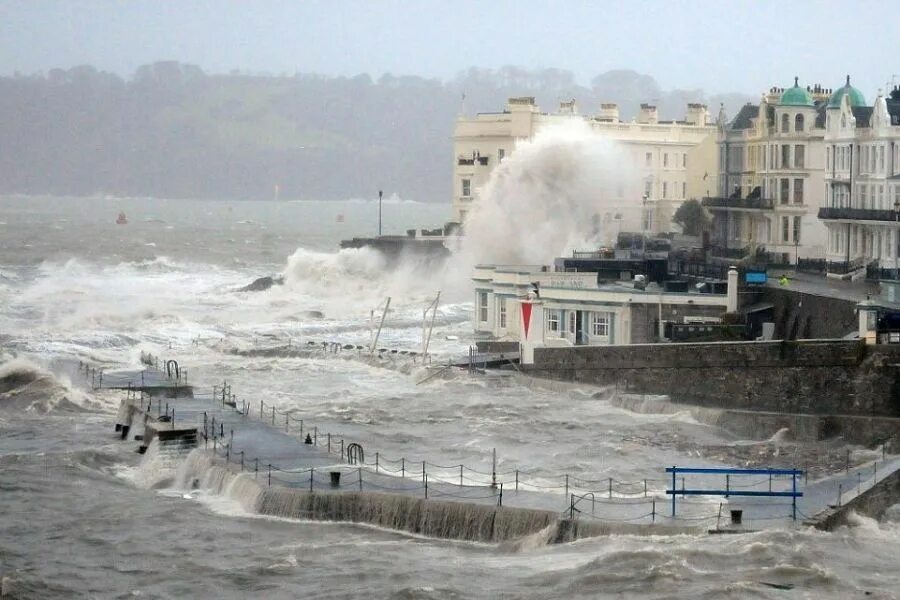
{"x": 718, "y": 45}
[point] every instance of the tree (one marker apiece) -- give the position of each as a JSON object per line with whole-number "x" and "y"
{"x": 692, "y": 217}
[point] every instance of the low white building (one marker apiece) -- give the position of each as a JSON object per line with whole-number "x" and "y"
{"x": 536, "y": 307}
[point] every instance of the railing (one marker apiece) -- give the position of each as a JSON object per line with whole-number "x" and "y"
{"x": 858, "y": 214}
{"x": 811, "y": 265}
{"x": 724, "y": 252}
{"x": 742, "y": 203}
{"x": 845, "y": 267}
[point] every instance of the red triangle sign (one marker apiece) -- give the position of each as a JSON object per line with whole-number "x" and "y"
{"x": 526, "y": 316}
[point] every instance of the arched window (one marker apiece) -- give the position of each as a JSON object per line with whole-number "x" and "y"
{"x": 785, "y": 123}
{"x": 798, "y": 122}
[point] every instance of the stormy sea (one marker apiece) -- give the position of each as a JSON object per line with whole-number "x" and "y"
{"x": 82, "y": 516}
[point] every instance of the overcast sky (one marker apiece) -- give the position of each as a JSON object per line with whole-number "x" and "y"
{"x": 720, "y": 45}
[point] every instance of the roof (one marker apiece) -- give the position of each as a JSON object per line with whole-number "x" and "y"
{"x": 863, "y": 115}
{"x": 796, "y": 96}
{"x": 742, "y": 119}
{"x": 856, "y": 96}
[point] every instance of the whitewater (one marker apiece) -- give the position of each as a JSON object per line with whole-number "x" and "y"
{"x": 81, "y": 514}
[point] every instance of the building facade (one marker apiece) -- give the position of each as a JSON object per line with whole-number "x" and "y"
{"x": 674, "y": 161}
{"x": 771, "y": 164}
{"x": 862, "y": 184}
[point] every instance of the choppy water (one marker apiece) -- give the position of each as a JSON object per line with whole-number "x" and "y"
{"x": 74, "y": 523}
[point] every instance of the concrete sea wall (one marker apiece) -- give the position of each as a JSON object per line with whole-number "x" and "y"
{"x": 804, "y": 376}
{"x": 873, "y": 503}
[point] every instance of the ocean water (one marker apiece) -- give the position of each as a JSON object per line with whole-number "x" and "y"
{"x": 79, "y": 520}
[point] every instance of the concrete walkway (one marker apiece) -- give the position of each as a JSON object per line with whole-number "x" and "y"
{"x": 273, "y": 449}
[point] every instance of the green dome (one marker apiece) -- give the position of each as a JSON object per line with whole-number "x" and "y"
{"x": 796, "y": 96}
{"x": 856, "y": 97}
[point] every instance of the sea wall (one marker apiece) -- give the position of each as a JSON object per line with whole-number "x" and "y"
{"x": 467, "y": 521}
{"x": 871, "y": 503}
{"x": 819, "y": 377}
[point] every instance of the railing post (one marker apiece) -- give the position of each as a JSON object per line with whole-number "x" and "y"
{"x": 342, "y": 450}
{"x": 316, "y": 435}
{"x": 256, "y": 468}
{"x": 270, "y": 474}
{"x": 261, "y": 410}
{"x": 858, "y": 483}
{"x": 301, "y": 428}
{"x": 645, "y": 488}
{"x": 567, "y": 484}
{"x": 273, "y": 415}
{"x": 610, "y": 487}
{"x": 329, "y": 443}
{"x": 673, "y": 491}
{"x": 494, "y": 469}
{"x": 376, "y": 462}
{"x": 653, "y": 513}
{"x": 794, "y": 497}
{"x": 728, "y": 484}
{"x": 572, "y": 507}
{"x": 359, "y": 473}
{"x": 426, "y": 487}
{"x": 517, "y": 480}
{"x": 242, "y": 461}
{"x": 402, "y": 467}
{"x": 500, "y": 497}
{"x": 840, "y": 493}
{"x": 770, "y": 482}
{"x": 423, "y": 470}
{"x": 227, "y": 454}
{"x": 311, "y": 478}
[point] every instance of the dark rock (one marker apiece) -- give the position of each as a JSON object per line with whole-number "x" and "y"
{"x": 262, "y": 284}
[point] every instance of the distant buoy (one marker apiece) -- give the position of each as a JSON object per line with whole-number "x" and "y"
{"x": 122, "y": 220}
{"x": 340, "y": 218}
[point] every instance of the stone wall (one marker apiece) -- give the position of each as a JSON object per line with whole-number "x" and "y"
{"x": 814, "y": 377}
{"x": 806, "y": 316}
{"x": 645, "y": 319}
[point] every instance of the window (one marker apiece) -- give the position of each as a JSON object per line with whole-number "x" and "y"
{"x": 684, "y": 160}
{"x": 466, "y": 188}
{"x": 784, "y": 192}
{"x": 666, "y": 159}
{"x": 553, "y": 321}
{"x": 798, "y": 122}
{"x": 785, "y": 225}
{"x": 785, "y": 156}
{"x": 483, "y": 307}
{"x": 648, "y": 159}
{"x": 880, "y": 158}
{"x": 665, "y": 193}
{"x": 796, "y": 229}
{"x": 572, "y": 322}
{"x": 502, "y": 319}
{"x": 785, "y": 122}
{"x": 600, "y": 324}
{"x": 683, "y": 189}
{"x": 828, "y": 158}
{"x": 798, "y": 191}
{"x": 648, "y": 187}
{"x": 799, "y": 156}
{"x": 501, "y": 154}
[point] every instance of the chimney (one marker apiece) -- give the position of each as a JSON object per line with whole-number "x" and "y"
{"x": 568, "y": 107}
{"x": 520, "y": 104}
{"x": 609, "y": 112}
{"x": 648, "y": 114}
{"x": 696, "y": 114}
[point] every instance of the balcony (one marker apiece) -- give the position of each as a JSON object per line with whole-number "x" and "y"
{"x": 858, "y": 214}
{"x": 481, "y": 160}
{"x": 739, "y": 203}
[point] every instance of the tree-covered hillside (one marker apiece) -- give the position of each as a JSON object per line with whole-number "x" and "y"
{"x": 173, "y": 131}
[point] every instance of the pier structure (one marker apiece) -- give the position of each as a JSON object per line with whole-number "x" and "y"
{"x": 288, "y": 466}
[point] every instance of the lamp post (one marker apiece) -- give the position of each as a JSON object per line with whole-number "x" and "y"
{"x": 379, "y": 212}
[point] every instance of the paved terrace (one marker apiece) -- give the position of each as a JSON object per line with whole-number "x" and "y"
{"x": 281, "y": 448}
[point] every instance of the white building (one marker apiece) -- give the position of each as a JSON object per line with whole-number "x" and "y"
{"x": 771, "y": 178}
{"x": 537, "y": 307}
{"x": 674, "y": 160}
{"x": 862, "y": 184}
